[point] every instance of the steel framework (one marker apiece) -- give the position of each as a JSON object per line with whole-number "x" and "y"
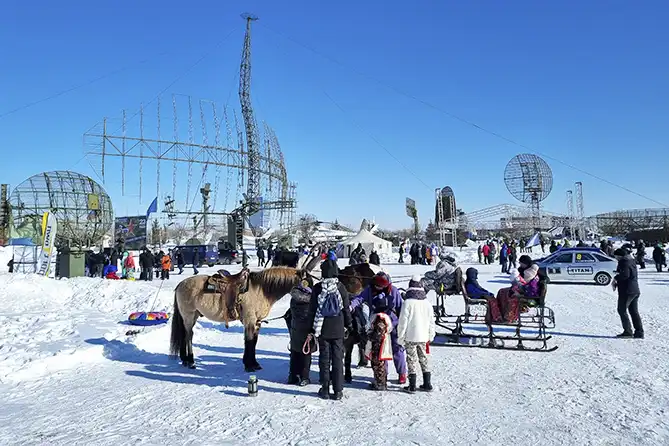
{"x": 570, "y": 213}
{"x": 580, "y": 213}
{"x": 620, "y": 223}
{"x": 215, "y": 141}
{"x": 509, "y": 216}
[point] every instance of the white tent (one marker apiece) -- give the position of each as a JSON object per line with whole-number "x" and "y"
{"x": 369, "y": 241}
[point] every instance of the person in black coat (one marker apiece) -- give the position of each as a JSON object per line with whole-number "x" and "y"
{"x": 374, "y": 258}
{"x": 330, "y": 331}
{"x": 300, "y": 320}
{"x": 659, "y": 257}
{"x": 627, "y": 283}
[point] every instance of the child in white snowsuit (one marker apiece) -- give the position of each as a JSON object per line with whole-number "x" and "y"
{"x": 415, "y": 331}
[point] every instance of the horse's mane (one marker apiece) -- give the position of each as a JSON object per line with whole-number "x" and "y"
{"x": 275, "y": 282}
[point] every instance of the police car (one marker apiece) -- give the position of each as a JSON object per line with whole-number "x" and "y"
{"x": 585, "y": 265}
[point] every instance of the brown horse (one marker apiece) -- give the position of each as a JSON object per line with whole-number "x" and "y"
{"x": 247, "y": 297}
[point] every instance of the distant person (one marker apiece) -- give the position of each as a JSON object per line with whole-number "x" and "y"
{"x": 165, "y": 265}
{"x": 261, "y": 256}
{"x": 479, "y": 251}
{"x": 627, "y": 284}
{"x": 181, "y": 262}
{"x": 270, "y": 254}
{"x": 659, "y": 257}
{"x": 10, "y": 265}
{"x": 401, "y": 260}
{"x": 374, "y": 258}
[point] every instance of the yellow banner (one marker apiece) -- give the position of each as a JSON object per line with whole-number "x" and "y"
{"x": 93, "y": 202}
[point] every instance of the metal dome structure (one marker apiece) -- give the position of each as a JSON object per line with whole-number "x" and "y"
{"x": 81, "y": 206}
{"x": 530, "y": 180}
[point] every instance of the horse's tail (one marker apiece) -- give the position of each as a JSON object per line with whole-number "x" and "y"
{"x": 178, "y": 334}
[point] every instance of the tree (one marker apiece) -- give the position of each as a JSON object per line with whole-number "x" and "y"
{"x": 155, "y": 232}
{"x": 336, "y": 226}
{"x": 431, "y": 233}
{"x": 306, "y": 225}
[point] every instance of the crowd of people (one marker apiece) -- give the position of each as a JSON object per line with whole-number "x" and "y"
{"x": 399, "y": 330}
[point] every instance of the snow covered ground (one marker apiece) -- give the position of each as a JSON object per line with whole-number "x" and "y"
{"x": 70, "y": 375}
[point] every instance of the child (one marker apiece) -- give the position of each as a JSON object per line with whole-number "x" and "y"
{"x": 379, "y": 349}
{"x": 299, "y": 325}
{"x": 415, "y": 330}
{"x": 474, "y": 290}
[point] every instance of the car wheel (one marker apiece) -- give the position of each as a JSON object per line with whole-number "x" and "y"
{"x": 602, "y": 279}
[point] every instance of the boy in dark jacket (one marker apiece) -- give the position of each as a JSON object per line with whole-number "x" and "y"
{"x": 627, "y": 283}
{"x": 474, "y": 290}
{"x": 300, "y": 323}
{"x": 330, "y": 330}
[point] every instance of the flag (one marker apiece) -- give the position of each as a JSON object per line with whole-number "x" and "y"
{"x": 534, "y": 241}
{"x": 153, "y": 207}
{"x": 49, "y": 227}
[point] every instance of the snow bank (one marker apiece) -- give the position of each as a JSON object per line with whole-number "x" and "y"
{"x": 42, "y": 318}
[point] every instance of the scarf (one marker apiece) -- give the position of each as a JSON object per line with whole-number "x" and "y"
{"x": 329, "y": 286}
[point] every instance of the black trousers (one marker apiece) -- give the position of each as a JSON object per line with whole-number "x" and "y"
{"x": 630, "y": 303}
{"x": 300, "y": 364}
{"x": 658, "y": 266}
{"x": 331, "y": 363}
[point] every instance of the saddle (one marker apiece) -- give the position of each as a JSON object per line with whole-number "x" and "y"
{"x": 230, "y": 287}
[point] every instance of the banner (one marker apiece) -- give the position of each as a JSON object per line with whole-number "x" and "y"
{"x": 49, "y": 227}
{"x": 131, "y": 231}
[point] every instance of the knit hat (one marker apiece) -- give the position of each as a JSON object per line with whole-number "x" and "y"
{"x": 525, "y": 260}
{"x": 620, "y": 252}
{"x": 415, "y": 281}
{"x": 329, "y": 269}
{"x": 381, "y": 281}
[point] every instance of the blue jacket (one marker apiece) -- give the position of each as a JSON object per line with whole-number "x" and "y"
{"x": 393, "y": 301}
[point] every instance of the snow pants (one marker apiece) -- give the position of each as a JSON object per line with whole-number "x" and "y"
{"x": 630, "y": 303}
{"x": 503, "y": 308}
{"x": 417, "y": 355}
{"x": 331, "y": 363}
{"x": 300, "y": 364}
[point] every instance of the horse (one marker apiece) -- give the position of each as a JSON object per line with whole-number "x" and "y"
{"x": 247, "y": 297}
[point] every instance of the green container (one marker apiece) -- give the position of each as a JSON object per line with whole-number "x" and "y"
{"x": 72, "y": 264}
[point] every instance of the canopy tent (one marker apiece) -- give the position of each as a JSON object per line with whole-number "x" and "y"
{"x": 369, "y": 241}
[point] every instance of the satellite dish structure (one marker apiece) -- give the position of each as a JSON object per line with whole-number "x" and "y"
{"x": 81, "y": 206}
{"x": 530, "y": 180}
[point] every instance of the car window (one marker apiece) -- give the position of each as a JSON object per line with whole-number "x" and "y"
{"x": 584, "y": 257}
{"x": 602, "y": 258}
{"x": 562, "y": 258}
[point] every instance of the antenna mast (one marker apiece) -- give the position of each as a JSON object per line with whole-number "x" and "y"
{"x": 253, "y": 184}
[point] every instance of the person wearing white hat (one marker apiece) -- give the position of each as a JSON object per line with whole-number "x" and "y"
{"x": 415, "y": 331}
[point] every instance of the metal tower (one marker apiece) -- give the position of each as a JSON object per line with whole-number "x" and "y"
{"x": 580, "y": 214}
{"x": 570, "y": 213}
{"x": 440, "y": 217}
{"x": 252, "y": 146}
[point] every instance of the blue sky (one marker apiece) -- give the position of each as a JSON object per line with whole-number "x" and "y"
{"x": 583, "y": 82}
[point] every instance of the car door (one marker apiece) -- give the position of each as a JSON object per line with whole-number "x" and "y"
{"x": 583, "y": 268}
{"x": 557, "y": 267}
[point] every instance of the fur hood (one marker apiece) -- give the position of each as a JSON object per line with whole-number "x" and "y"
{"x": 300, "y": 295}
{"x": 415, "y": 293}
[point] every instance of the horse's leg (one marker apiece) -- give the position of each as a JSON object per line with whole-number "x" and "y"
{"x": 190, "y": 359}
{"x": 348, "y": 352}
{"x": 250, "y": 341}
{"x": 362, "y": 361}
{"x": 253, "y": 354}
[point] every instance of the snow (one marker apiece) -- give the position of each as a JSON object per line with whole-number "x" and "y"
{"x": 70, "y": 375}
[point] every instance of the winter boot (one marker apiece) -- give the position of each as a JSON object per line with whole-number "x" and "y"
{"x": 625, "y": 335}
{"x": 376, "y": 386}
{"x": 412, "y": 384}
{"x": 638, "y": 334}
{"x": 293, "y": 379}
{"x": 402, "y": 379}
{"x": 303, "y": 381}
{"x": 337, "y": 396}
{"x": 427, "y": 384}
{"x": 324, "y": 391}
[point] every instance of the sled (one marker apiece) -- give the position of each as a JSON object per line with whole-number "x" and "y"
{"x": 541, "y": 319}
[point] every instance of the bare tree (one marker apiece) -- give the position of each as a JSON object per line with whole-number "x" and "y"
{"x": 306, "y": 225}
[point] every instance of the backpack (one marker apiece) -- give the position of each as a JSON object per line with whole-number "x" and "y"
{"x": 332, "y": 305}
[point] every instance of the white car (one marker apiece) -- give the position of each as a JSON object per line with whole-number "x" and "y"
{"x": 581, "y": 265}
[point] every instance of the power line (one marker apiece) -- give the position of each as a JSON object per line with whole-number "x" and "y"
{"x": 461, "y": 119}
{"x": 79, "y": 86}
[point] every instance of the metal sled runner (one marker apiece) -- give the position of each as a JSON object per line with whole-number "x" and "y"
{"x": 514, "y": 335}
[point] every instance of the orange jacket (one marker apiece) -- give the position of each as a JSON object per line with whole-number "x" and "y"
{"x": 166, "y": 261}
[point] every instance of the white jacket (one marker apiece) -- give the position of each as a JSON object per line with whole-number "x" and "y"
{"x": 416, "y": 322}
